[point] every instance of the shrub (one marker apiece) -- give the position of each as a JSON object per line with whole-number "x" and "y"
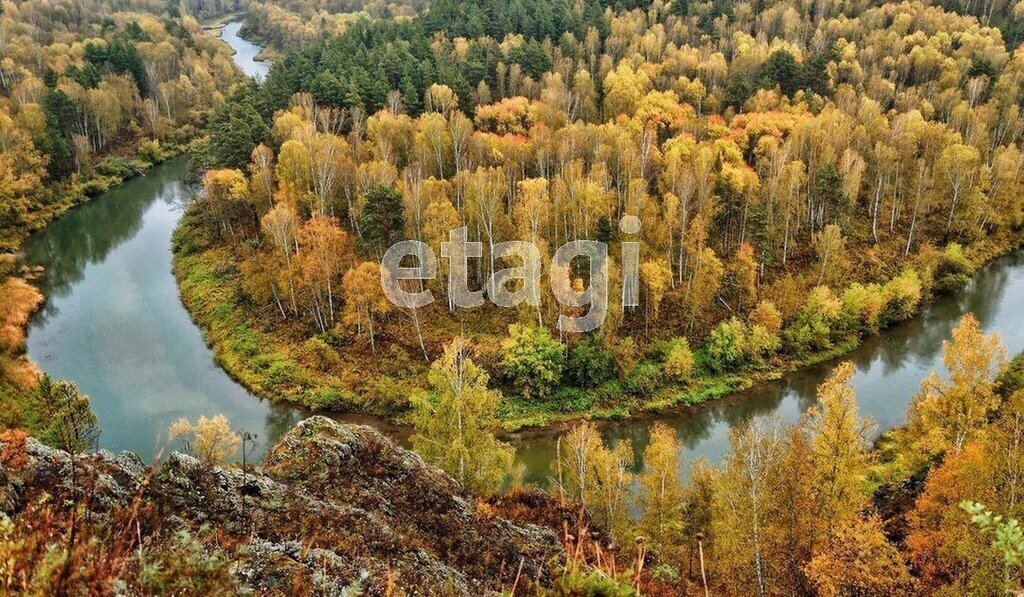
{"x": 644, "y": 379}
{"x": 813, "y": 327}
{"x": 610, "y": 391}
{"x": 766, "y": 315}
{"x": 953, "y": 271}
{"x": 386, "y": 395}
{"x": 591, "y": 582}
{"x": 765, "y": 324}
{"x": 862, "y": 307}
{"x": 727, "y": 346}
{"x": 330, "y": 398}
{"x": 188, "y": 566}
{"x": 589, "y": 364}
{"x": 902, "y": 297}
{"x": 572, "y": 400}
{"x": 532, "y": 360}
{"x": 210, "y": 440}
{"x": 1011, "y": 378}
{"x": 245, "y": 341}
{"x": 13, "y": 449}
{"x": 150, "y": 151}
{"x": 678, "y": 362}
{"x": 280, "y": 370}
{"x": 762, "y": 343}
{"x": 627, "y": 355}
{"x": 317, "y": 354}
{"x": 95, "y": 187}
{"x": 114, "y": 167}
{"x": 190, "y": 237}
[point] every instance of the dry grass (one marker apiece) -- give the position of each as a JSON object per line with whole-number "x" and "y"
{"x": 18, "y": 300}
{"x": 18, "y": 375}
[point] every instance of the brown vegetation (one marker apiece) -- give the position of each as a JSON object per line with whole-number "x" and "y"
{"x": 18, "y": 376}
{"x": 333, "y": 506}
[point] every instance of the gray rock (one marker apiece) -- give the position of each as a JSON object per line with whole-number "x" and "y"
{"x": 334, "y": 507}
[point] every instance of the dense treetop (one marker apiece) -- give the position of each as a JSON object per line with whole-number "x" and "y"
{"x": 81, "y": 81}
{"x": 774, "y": 156}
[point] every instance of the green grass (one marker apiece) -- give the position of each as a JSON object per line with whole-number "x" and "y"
{"x": 270, "y": 367}
{"x": 248, "y": 355}
{"x": 516, "y": 413}
{"x": 841, "y": 348}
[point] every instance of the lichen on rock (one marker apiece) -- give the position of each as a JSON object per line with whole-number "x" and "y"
{"x": 332, "y": 506}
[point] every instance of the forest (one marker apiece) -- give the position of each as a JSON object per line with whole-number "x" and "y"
{"x": 805, "y": 175}
{"x": 795, "y": 195}
{"x": 90, "y": 96}
{"x": 91, "y": 93}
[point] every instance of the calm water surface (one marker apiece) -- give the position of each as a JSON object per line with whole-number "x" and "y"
{"x": 889, "y": 367}
{"x": 245, "y": 52}
{"x": 113, "y": 323}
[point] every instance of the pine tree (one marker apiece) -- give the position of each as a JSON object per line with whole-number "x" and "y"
{"x": 69, "y": 423}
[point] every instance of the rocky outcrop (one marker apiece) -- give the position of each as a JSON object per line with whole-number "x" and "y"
{"x": 332, "y": 506}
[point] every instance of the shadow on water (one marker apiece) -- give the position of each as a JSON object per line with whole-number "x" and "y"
{"x": 113, "y": 323}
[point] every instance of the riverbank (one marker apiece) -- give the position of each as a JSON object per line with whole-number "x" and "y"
{"x": 111, "y": 171}
{"x": 282, "y": 363}
{"x": 215, "y": 27}
{"x": 19, "y": 296}
{"x": 18, "y": 375}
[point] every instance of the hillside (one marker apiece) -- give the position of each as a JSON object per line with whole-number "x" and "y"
{"x": 332, "y": 507}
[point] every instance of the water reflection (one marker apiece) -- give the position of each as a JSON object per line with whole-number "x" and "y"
{"x": 86, "y": 236}
{"x": 114, "y": 325}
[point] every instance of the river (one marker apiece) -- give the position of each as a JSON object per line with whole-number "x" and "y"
{"x": 889, "y": 371}
{"x": 113, "y": 323}
{"x": 245, "y": 52}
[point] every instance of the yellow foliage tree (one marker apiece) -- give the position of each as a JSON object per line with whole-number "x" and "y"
{"x": 364, "y": 298}
{"x": 947, "y": 413}
{"x": 454, "y": 422}
{"x": 661, "y": 493}
{"x": 210, "y": 440}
